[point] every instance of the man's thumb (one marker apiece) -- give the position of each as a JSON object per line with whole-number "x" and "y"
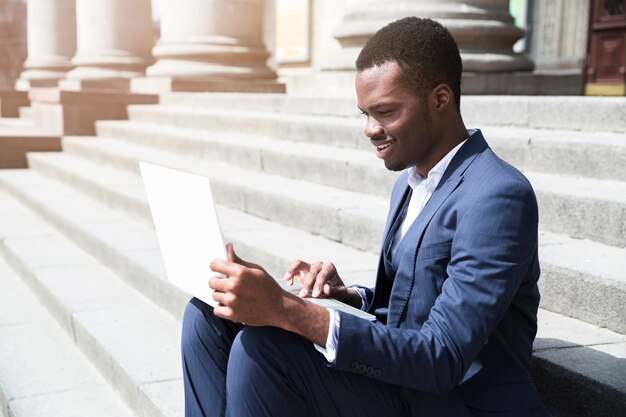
{"x": 233, "y": 257}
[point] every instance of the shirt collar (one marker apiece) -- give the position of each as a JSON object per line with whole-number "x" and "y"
{"x": 434, "y": 175}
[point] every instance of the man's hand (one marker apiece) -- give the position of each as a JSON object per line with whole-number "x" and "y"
{"x": 250, "y": 295}
{"x": 321, "y": 280}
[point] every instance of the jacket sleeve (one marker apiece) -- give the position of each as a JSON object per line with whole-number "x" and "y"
{"x": 494, "y": 244}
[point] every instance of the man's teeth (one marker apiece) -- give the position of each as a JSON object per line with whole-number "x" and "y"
{"x": 381, "y": 147}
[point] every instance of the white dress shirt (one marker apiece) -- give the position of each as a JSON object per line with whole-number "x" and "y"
{"x": 423, "y": 189}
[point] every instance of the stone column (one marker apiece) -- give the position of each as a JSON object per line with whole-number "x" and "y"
{"x": 51, "y": 42}
{"x": 209, "y": 45}
{"x": 559, "y": 40}
{"x": 483, "y": 29}
{"x": 114, "y": 42}
{"x": 115, "y": 38}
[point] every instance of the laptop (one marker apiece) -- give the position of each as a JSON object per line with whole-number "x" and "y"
{"x": 189, "y": 232}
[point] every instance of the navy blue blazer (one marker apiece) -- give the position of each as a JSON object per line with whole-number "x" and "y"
{"x": 461, "y": 295}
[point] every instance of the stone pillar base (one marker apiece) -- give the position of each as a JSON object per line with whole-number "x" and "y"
{"x": 472, "y": 61}
{"x": 14, "y": 147}
{"x": 156, "y": 85}
{"x": 18, "y": 138}
{"x": 66, "y": 112}
{"x": 117, "y": 84}
{"x": 11, "y": 101}
{"x": 522, "y": 83}
{"x": 341, "y": 83}
{"x": 25, "y": 84}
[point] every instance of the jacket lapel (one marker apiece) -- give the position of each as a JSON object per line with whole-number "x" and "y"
{"x": 451, "y": 179}
{"x": 382, "y": 288}
{"x": 397, "y": 199}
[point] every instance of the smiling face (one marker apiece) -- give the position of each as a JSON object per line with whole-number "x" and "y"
{"x": 399, "y": 121}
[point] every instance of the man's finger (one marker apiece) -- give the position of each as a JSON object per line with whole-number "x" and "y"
{"x": 322, "y": 278}
{"x": 309, "y": 279}
{"x": 225, "y": 298}
{"x": 227, "y": 268}
{"x": 295, "y": 269}
{"x": 331, "y": 270}
{"x": 328, "y": 274}
{"x": 218, "y": 296}
{"x": 220, "y": 284}
{"x": 327, "y": 290}
{"x": 223, "y": 312}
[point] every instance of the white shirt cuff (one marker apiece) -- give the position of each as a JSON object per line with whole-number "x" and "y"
{"x": 330, "y": 351}
{"x": 364, "y": 301}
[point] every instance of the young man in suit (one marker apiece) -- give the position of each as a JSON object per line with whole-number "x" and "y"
{"x": 456, "y": 292}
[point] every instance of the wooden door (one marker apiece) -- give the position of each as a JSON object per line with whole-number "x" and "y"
{"x": 606, "y": 64}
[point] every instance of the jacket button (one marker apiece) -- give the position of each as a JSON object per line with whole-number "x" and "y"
{"x": 377, "y": 373}
{"x": 354, "y": 366}
{"x": 362, "y": 368}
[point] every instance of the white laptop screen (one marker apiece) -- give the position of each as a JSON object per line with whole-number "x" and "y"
{"x": 187, "y": 227}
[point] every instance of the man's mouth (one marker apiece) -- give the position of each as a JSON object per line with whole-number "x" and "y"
{"x": 381, "y": 148}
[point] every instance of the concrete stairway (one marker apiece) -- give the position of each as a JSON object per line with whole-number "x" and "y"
{"x": 295, "y": 179}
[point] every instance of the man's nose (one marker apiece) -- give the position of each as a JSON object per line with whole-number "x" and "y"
{"x": 373, "y": 128}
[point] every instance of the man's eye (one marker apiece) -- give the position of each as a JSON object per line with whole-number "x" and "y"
{"x": 384, "y": 112}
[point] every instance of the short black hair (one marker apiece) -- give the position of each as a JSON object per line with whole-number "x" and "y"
{"x": 423, "y": 48}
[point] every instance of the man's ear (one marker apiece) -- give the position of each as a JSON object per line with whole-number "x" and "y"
{"x": 442, "y": 97}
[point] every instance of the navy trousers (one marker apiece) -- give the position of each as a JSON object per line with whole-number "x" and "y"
{"x": 239, "y": 371}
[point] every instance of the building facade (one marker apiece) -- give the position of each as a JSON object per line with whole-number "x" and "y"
{"x": 561, "y": 37}
{"x": 254, "y": 39}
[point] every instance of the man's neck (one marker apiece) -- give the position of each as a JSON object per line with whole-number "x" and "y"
{"x": 450, "y": 141}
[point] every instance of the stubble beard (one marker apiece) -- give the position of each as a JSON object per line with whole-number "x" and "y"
{"x": 395, "y": 167}
{"x": 427, "y": 123}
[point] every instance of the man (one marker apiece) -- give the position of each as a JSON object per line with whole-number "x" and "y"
{"x": 456, "y": 292}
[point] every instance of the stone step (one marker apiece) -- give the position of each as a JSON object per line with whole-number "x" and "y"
{"x": 598, "y": 155}
{"x": 119, "y": 330}
{"x": 41, "y": 369}
{"x": 347, "y": 169}
{"x": 336, "y": 131}
{"x": 573, "y": 268}
{"x": 583, "y": 279}
{"x": 93, "y": 307}
{"x": 131, "y": 250}
{"x": 602, "y": 154}
{"x": 555, "y": 152}
{"x": 352, "y": 218}
{"x": 579, "y": 207}
{"x": 281, "y": 103}
{"x": 579, "y": 368}
{"x": 134, "y": 344}
{"x": 541, "y": 112}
